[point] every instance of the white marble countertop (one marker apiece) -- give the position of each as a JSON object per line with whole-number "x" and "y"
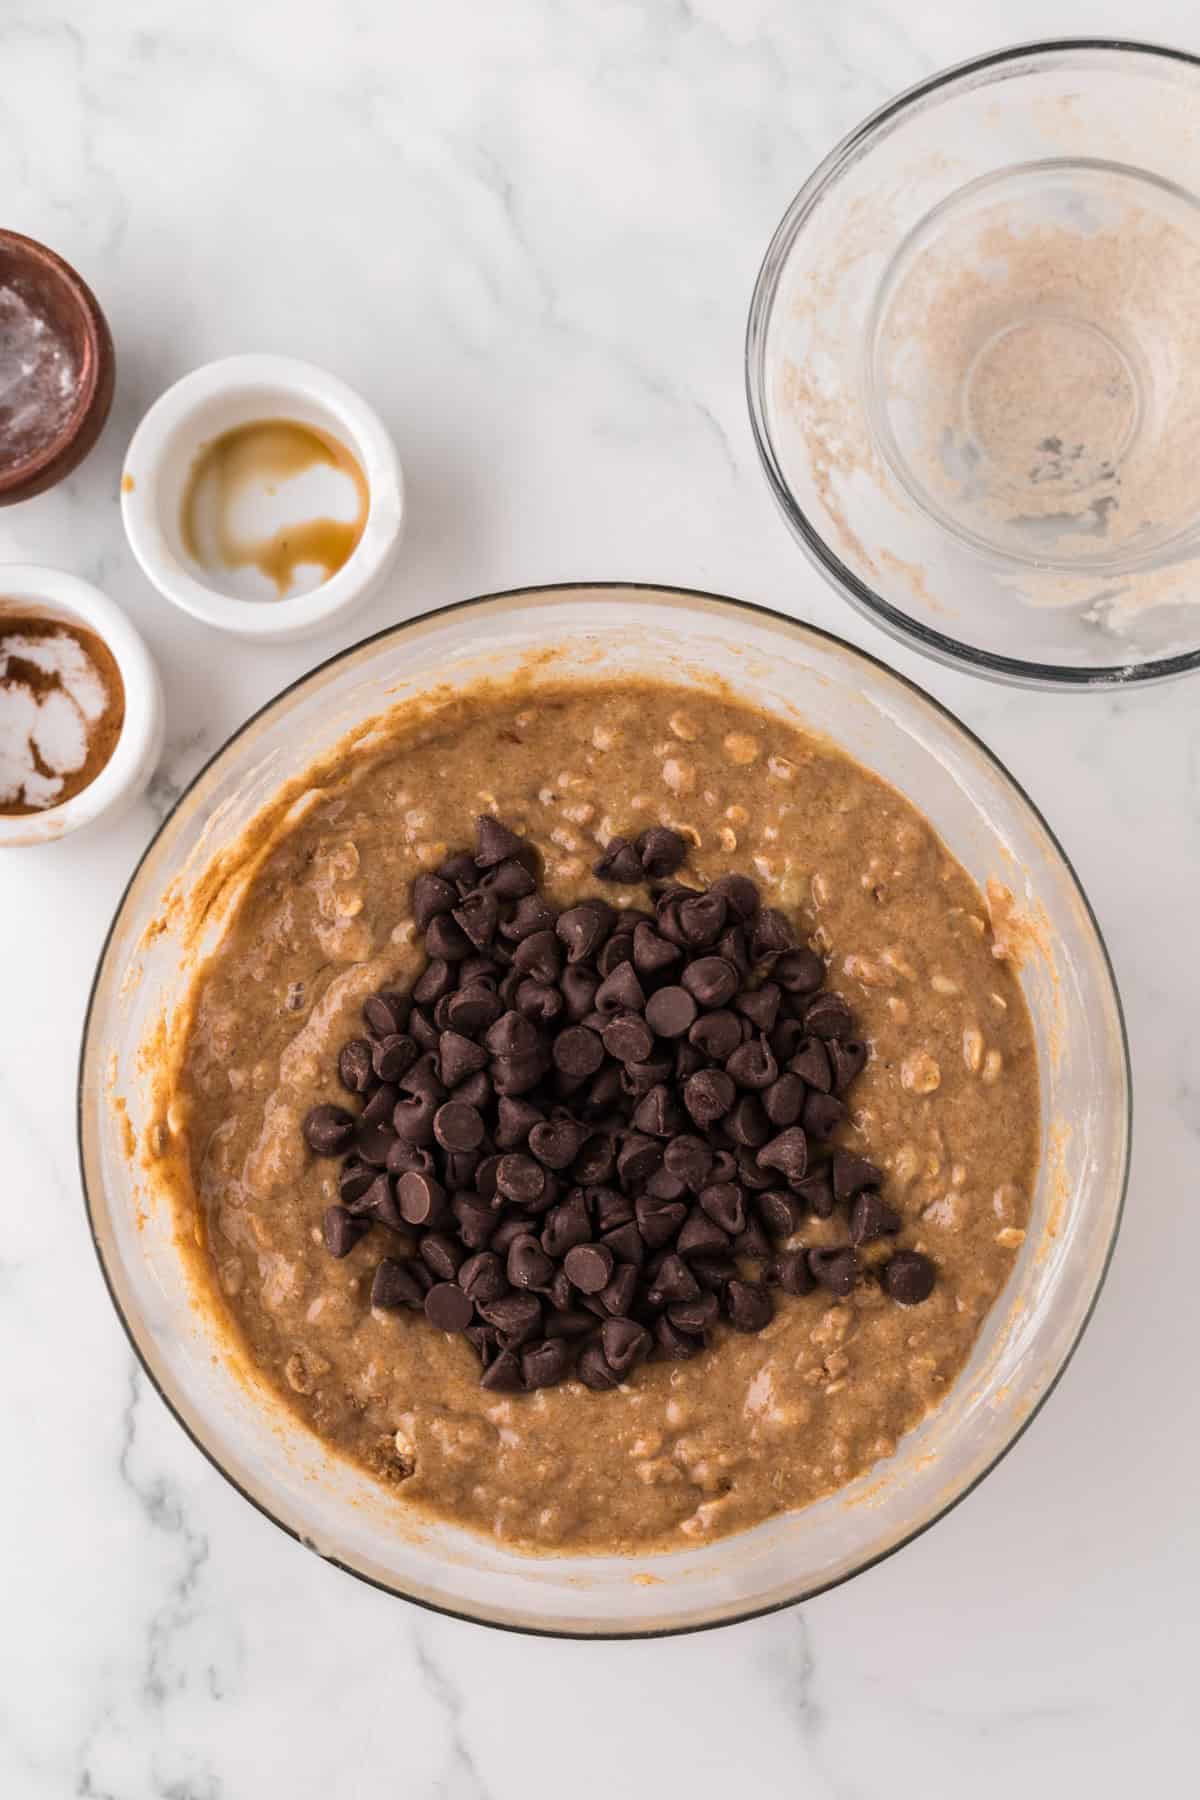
{"x": 529, "y": 232}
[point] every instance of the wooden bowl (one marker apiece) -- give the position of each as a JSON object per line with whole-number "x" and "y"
{"x": 51, "y": 288}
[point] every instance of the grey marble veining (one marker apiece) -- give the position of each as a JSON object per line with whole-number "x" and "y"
{"x": 529, "y": 233}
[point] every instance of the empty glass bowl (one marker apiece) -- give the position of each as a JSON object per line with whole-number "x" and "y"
{"x": 973, "y": 365}
{"x": 802, "y": 675}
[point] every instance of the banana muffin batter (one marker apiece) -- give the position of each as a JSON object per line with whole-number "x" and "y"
{"x": 763, "y": 1421}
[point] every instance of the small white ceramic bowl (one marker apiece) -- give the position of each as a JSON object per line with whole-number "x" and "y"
{"x": 51, "y": 593}
{"x": 242, "y": 390}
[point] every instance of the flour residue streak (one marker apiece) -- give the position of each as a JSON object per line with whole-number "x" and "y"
{"x": 39, "y": 380}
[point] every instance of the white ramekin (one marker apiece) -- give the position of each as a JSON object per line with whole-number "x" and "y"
{"x": 219, "y": 397}
{"x": 52, "y": 593}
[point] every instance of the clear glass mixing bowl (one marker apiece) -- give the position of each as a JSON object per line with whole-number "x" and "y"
{"x": 973, "y": 365}
{"x": 801, "y": 675}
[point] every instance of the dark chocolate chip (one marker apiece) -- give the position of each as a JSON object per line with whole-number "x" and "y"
{"x": 670, "y": 1012}
{"x": 788, "y": 1153}
{"x": 393, "y": 1056}
{"x": 538, "y": 1001}
{"x": 592, "y": 1367}
{"x": 739, "y": 894}
{"x": 827, "y": 1016}
{"x": 821, "y": 1114}
{"x": 717, "y": 1034}
{"x": 725, "y": 1204}
{"x": 495, "y": 843}
{"x": 662, "y": 1185}
{"x": 528, "y": 1266}
{"x": 609, "y": 1207}
{"x": 779, "y": 1211}
{"x": 458, "y": 1057}
{"x": 816, "y": 1192}
{"x": 657, "y": 1114}
{"x": 621, "y": 991}
{"x": 661, "y": 850}
{"x": 810, "y": 1061}
{"x": 472, "y": 1009}
{"x": 690, "y": 1158}
{"x": 798, "y": 971}
{"x": 748, "y": 1304}
{"x": 700, "y": 1236}
{"x": 639, "y": 1078}
{"x": 626, "y": 1244}
{"x": 659, "y": 1221}
{"x": 596, "y": 1160}
{"x": 618, "y": 1296}
{"x": 628, "y": 1038}
{"x": 849, "y": 1059}
{"x": 478, "y": 916}
{"x": 652, "y": 953}
{"x": 760, "y": 1005}
{"x": 712, "y": 981}
{"x": 379, "y": 1203}
{"x": 566, "y": 1225}
{"x": 354, "y": 1179}
{"x": 674, "y": 1281}
{"x": 328, "y": 1130}
{"x": 459, "y": 870}
{"x": 708, "y": 1096}
{"x": 503, "y": 1376}
{"x": 772, "y": 933}
{"x": 753, "y": 1242}
{"x": 638, "y": 1158}
{"x": 482, "y": 1278}
{"x": 394, "y": 1285}
{"x": 544, "y": 1364}
{"x": 373, "y": 1143}
{"x": 752, "y": 1065}
{"x": 431, "y": 896}
{"x": 675, "y": 1345}
{"x": 834, "y": 1268}
{"x": 570, "y": 1324}
{"x": 618, "y": 950}
{"x": 446, "y": 941}
{"x": 512, "y": 1075}
{"x": 421, "y": 1199}
{"x": 702, "y": 919}
{"x": 509, "y": 880}
{"x": 342, "y": 1230}
{"x": 619, "y": 862}
{"x": 871, "y": 1217}
{"x": 516, "y": 1119}
{"x": 791, "y": 1271}
{"x": 578, "y": 990}
{"x": 555, "y": 1142}
{"x": 441, "y": 1254}
{"x": 521, "y": 1178}
{"x": 696, "y": 1315}
{"x": 517, "y": 1318}
{"x": 732, "y": 945}
{"x": 851, "y": 1174}
{"x": 625, "y": 1344}
{"x": 531, "y": 916}
{"x": 385, "y": 1014}
{"x": 578, "y": 1051}
{"x": 909, "y": 1277}
{"x": 747, "y": 1124}
{"x": 412, "y": 1121}
{"x": 539, "y": 956}
{"x": 355, "y": 1068}
{"x": 458, "y": 1127}
{"x": 584, "y": 928}
{"x": 589, "y": 1267}
{"x": 783, "y": 1101}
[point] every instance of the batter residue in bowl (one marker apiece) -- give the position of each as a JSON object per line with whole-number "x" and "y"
{"x": 947, "y": 1104}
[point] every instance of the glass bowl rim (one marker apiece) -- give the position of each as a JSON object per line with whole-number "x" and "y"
{"x": 598, "y": 590}
{"x": 901, "y": 626}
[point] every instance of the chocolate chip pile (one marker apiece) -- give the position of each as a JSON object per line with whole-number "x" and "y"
{"x": 597, "y": 1124}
